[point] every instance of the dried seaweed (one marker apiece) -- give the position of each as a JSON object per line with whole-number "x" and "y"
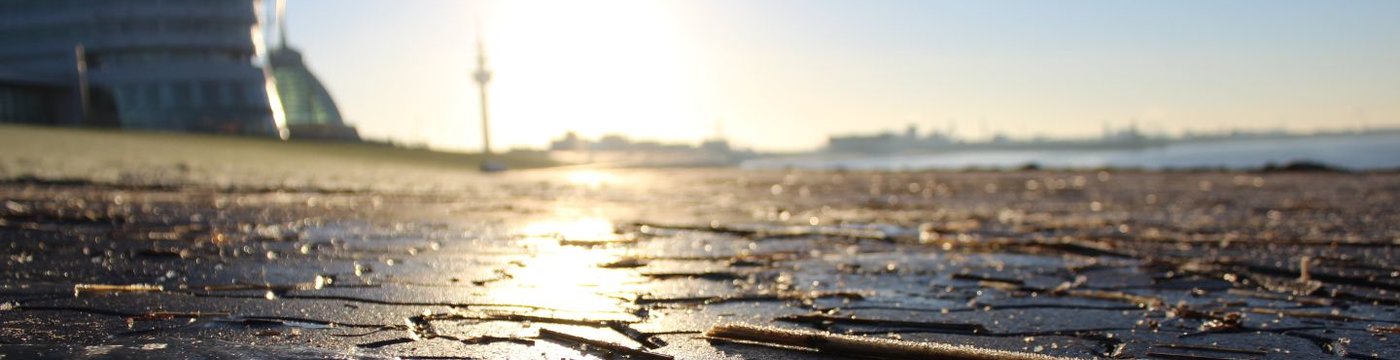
{"x": 1180, "y": 356}
{"x": 80, "y": 289}
{"x": 649, "y": 341}
{"x": 615, "y": 348}
{"x": 167, "y": 315}
{"x": 514, "y": 317}
{"x": 864, "y": 346}
{"x": 1140, "y": 300}
{"x": 1377, "y": 329}
{"x": 707, "y": 275}
{"x": 383, "y": 343}
{"x": 1310, "y": 315}
{"x": 1305, "y": 300}
{"x": 769, "y": 232}
{"x": 1213, "y": 348}
{"x": 779, "y": 296}
{"x": 946, "y": 327}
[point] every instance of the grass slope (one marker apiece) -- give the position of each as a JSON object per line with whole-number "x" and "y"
{"x": 111, "y": 155}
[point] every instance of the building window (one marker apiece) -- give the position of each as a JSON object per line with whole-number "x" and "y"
{"x": 254, "y": 94}
{"x": 167, "y": 96}
{"x": 211, "y": 94}
{"x": 196, "y": 95}
{"x": 127, "y": 98}
{"x": 240, "y": 95}
{"x": 182, "y": 95}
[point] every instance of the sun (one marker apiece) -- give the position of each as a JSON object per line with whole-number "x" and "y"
{"x": 595, "y": 67}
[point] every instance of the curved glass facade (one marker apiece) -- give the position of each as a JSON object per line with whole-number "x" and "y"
{"x": 309, "y": 110}
{"x": 304, "y": 100}
{"x": 179, "y": 65}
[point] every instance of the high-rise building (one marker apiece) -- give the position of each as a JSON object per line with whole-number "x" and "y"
{"x": 177, "y": 65}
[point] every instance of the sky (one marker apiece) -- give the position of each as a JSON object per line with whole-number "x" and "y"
{"x": 782, "y": 75}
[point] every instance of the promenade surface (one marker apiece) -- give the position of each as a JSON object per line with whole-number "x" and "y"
{"x": 131, "y": 245}
{"x": 583, "y": 263}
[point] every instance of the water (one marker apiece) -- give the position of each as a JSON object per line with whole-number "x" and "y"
{"x": 1351, "y": 152}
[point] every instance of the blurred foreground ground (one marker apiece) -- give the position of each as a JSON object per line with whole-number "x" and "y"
{"x": 367, "y": 257}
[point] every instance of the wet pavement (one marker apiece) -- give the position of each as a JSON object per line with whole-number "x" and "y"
{"x": 579, "y": 263}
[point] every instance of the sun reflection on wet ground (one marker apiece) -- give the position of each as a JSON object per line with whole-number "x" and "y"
{"x": 558, "y": 275}
{"x": 590, "y": 178}
{"x": 570, "y": 227}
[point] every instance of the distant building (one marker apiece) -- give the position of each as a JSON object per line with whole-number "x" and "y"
{"x": 617, "y": 148}
{"x": 177, "y": 65}
{"x": 888, "y": 142}
{"x": 310, "y": 112}
{"x": 570, "y": 142}
{"x": 27, "y": 99}
{"x": 169, "y": 65}
{"x": 718, "y": 145}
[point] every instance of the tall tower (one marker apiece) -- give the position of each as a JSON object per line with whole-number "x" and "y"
{"x": 483, "y": 76}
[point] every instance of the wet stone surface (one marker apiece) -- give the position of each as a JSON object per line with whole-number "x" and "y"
{"x": 642, "y": 263}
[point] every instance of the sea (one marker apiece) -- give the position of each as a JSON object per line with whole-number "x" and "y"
{"x": 1351, "y": 152}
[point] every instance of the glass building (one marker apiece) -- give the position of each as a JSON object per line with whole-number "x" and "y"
{"x": 177, "y": 65}
{"x": 309, "y": 110}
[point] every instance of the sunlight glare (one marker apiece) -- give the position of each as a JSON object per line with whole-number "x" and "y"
{"x": 592, "y": 179}
{"x": 572, "y": 229}
{"x": 567, "y": 278}
{"x": 598, "y": 67}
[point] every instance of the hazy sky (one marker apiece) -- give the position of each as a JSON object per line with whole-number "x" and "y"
{"x": 783, "y": 74}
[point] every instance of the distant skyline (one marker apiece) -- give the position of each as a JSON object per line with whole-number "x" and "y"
{"x": 784, "y": 74}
